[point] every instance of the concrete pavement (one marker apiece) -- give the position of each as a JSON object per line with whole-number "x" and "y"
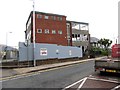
{"x": 18, "y": 71}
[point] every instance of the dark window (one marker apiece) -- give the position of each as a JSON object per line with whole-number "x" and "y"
{"x": 46, "y": 31}
{"x": 72, "y": 35}
{"x": 78, "y": 35}
{"x": 39, "y": 30}
{"x": 75, "y": 35}
{"x": 53, "y": 18}
{"x": 46, "y": 17}
{"x": 59, "y": 31}
{"x": 53, "y": 31}
{"x": 60, "y": 18}
{"x": 39, "y": 16}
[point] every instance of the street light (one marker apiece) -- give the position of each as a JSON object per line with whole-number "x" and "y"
{"x": 7, "y": 42}
{"x": 34, "y": 32}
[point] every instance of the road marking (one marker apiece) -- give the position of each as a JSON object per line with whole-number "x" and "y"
{"x": 82, "y": 83}
{"x": 90, "y": 77}
{"x": 115, "y": 88}
{"x": 29, "y": 74}
{"x": 18, "y": 76}
{"x": 103, "y": 80}
{"x": 73, "y": 84}
{"x": 38, "y": 72}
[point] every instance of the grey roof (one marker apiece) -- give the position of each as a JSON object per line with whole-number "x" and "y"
{"x": 3, "y": 47}
{"x": 94, "y": 39}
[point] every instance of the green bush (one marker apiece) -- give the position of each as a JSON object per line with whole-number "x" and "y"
{"x": 96, "y": 51}
{"x": 104, "y": 53}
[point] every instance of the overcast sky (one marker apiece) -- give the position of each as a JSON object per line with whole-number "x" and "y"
{"x": 102, "y": 16}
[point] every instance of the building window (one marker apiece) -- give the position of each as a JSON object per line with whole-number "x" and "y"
{"x": 60, "y": 18}
{"x": 78, "y": 35}
{"x": 39, "y": 16}
{"x": 53, "y": 31}
{"x": 75, "y": 35}
{"x": 72, "y": 35}
{"x": 59, "y": 31}
{"x": 53, "y": 17}
{"x": 39, "y": 30}
{"x": 46, "y": 17}
{"x": 46, "y": 31}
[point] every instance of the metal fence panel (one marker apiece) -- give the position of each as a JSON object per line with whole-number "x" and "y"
{"x": 68, "y": 52}
{"x": 47, "y": 51}
{"x": 25, "y": 52}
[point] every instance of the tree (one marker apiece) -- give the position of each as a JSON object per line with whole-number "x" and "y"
{"x": 100, "y": 42}
{"x": 105, "y": 43}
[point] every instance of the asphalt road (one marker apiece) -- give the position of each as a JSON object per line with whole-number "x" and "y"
{"x": 56, "y": 78}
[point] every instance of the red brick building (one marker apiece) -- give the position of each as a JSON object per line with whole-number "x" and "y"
{"x": 49, "y": 28}
{"x": 55, "y": 29}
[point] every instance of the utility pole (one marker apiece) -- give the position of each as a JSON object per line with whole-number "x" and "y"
{"x": 34, "y": 33}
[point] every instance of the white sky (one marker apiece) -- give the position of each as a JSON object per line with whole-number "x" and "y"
{"x": 102, "y": 16}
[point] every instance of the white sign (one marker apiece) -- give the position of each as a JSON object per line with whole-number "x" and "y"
{"x": 43, "y": 52}
{"x": 70, "y": 52}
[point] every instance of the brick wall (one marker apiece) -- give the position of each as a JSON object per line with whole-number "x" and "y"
{"x": 42, "y": 23}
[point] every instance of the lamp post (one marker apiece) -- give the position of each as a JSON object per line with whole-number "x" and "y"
{"x": 7, "y": 42}
{"x": 34, "y": 32}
